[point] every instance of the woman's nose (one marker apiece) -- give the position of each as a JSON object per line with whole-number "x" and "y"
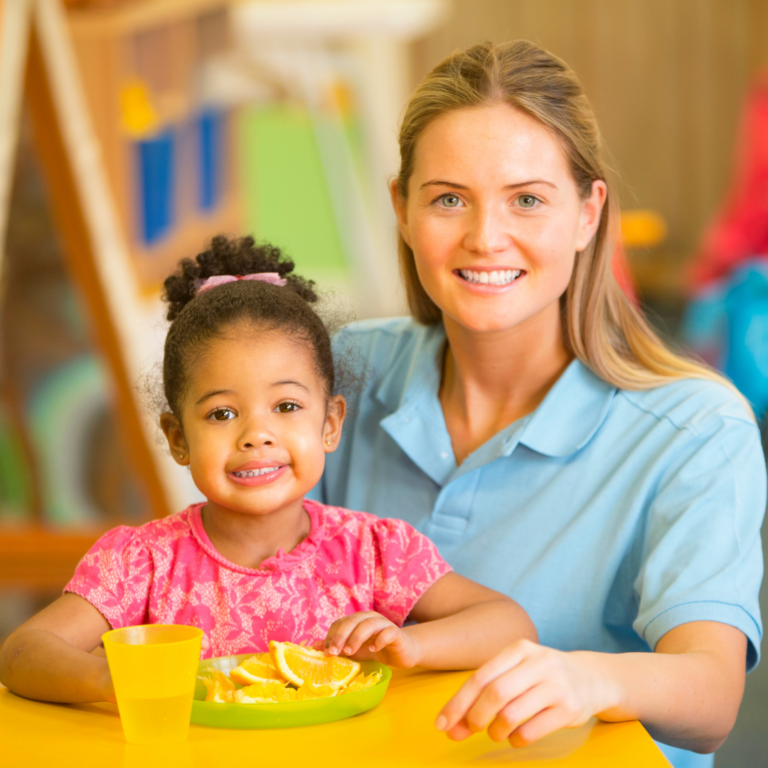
{"x": 488, "y": 231}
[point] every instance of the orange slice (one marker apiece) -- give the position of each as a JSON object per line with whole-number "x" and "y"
{"x": 301, "y": 665}
{"x": 265, "y": 692}
{"x": 362, "y": 683}
{"x": 220, "y": 688}
{"x": 307, "y": 692}
{"x": 255, "y": 670}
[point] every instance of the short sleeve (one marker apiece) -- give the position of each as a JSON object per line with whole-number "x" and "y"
{"x": 407, "y": 565}
{"x": 702, "y": 557}
{"x": 115, "y": 576}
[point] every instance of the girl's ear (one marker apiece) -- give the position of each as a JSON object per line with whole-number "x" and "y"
{"x": 334, "y": 419}
{"x": 591, "y": 209}
{"x": 174, "y": 434}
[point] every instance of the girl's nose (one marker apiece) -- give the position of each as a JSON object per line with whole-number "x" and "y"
{"x": 488, "y": 231}
{"x": 255, "y": 435}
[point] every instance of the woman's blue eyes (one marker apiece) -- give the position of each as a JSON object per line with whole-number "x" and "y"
{"x": 450, "y": 201}
{"x": 454, "y": 201}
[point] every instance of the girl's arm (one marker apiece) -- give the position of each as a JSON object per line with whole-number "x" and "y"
{"x": 49, "y": 657}
{"x": 461, "y": 625}
{"x": 687, "y": 693}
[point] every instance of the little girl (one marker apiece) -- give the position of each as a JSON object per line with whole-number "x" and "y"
{"x": 249, "y": 381}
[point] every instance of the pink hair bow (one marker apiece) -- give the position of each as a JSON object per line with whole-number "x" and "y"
{"x": 264, "y": 277}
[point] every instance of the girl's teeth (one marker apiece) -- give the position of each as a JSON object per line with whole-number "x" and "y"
{"x": 255, "y": 472}
{"x": 500, "y": 277}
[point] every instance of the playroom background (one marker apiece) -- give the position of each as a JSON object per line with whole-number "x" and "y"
{"x": 131, "y": 131}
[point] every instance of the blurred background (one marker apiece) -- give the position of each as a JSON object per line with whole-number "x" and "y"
{"x": 132, "y": 131}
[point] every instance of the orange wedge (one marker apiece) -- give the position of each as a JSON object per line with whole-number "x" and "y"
{"x": 301, "y": 665}
{"x": 265, "y": 692}
{"x": 363, "y": 682}
{"x": 307, "y": 692}
{"x": 256, "y": 669}
{"x": 220, "y": 688}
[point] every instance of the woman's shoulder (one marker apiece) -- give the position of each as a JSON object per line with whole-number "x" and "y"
{"x": 383, "y": 340}
{"x": 698, "y": 406}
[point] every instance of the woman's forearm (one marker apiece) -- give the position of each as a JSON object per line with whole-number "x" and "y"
{"x": 688, "y": 700}
{"x": 469, "y": 638}
{"x": 40, "y": 665}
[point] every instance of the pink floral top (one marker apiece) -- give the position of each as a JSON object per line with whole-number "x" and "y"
{"x": 167, "y": 572}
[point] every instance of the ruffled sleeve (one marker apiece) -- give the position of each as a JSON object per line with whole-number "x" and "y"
{"x": 407, "y": 564}
{"x": 115, "y": 576}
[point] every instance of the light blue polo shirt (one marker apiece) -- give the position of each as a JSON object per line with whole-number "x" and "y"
{"x": 611, "y": 516}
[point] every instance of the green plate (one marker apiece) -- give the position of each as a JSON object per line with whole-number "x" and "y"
{"x": 285, "y": 715}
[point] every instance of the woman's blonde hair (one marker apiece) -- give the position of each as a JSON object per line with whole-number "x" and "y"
{"x": 602, "y": 327}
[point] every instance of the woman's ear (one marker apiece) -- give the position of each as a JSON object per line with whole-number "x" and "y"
{"x": 401, "y": 211}
{"x": 591, "y": 210}
{"x": 334, "y": 419}
{"x": 174, "y": 434}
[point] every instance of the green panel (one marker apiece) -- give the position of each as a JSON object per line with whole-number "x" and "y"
{"x": 15, "y": 480}
{"x": 286, "y": 196}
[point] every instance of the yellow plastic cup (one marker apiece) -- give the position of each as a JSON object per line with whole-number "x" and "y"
{"x": 154, "y": 670}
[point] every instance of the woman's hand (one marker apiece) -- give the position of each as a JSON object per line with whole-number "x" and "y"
{"x": 524, "y": 693}
{"x": 368, "y": 635}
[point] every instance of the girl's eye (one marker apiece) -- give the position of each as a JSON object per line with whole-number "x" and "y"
{"x": 287, "y": 407}
{"x": 222, "y": 414}
{"x": 449, "y": 201}
{"x": 527, "y": 201}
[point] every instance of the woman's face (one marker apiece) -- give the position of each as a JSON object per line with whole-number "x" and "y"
{"x": 494, "y": 218}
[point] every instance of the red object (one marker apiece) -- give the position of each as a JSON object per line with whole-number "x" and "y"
{"x": 622, "y": 273}
{"x": 740, "y": 229}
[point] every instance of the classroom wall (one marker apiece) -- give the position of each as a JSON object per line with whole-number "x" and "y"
{"x": 666, "y": 78}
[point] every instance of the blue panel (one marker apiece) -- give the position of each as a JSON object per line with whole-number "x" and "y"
{"x": 211, "y": 141}
{"x": 156, "y": 186}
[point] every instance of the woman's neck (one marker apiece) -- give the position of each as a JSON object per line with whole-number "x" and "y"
{"x": 491, "y": 380}
{"x": 249, "y": 539}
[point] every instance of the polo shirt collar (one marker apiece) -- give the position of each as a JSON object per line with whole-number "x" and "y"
{"x": 563, "y": 423}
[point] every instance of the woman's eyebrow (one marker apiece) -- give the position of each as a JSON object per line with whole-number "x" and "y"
{"x": 440, "y": 183}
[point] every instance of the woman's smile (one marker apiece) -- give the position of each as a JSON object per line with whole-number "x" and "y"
{"x": 489, "y": 279}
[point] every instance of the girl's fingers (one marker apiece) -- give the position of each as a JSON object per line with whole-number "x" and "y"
{"x": 364, "y": 631}
{"x": 341, "y": 629}
{"x": 384, "y": 638}
{"x": 460, "y": 731}
{"x": 467, "y": 695}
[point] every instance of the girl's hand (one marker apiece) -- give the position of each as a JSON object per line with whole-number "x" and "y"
{"x": 368, "y": 635}
{"x": 524, "y": 693}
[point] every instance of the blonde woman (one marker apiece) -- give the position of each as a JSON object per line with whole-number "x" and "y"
{"x": 528, "y": 420}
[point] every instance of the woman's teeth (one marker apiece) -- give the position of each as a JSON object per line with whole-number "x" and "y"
{"x": 500, "y": 277}
{"x": 255, "y": 472}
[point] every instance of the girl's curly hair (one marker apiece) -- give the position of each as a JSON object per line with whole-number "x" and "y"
{"x": 198, "y": 319}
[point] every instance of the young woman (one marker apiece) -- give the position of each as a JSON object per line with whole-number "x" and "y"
{"x": 529, "y": 421}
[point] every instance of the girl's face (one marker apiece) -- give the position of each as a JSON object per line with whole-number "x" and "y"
{"x": 255, "y": 422}
{"x": 494, "y": 217}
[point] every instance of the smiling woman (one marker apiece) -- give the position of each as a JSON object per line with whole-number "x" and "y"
{"x": 530, "y": 422}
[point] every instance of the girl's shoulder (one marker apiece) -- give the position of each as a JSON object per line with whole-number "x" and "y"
{"x": 151, "y": 535}
{"x": 332, "y": 522}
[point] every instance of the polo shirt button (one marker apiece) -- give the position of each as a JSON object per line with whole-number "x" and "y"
{"x": 443, "y": 455}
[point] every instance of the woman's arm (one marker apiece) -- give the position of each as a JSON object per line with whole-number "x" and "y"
{"x": 461, "y": 625}
{"x": 687, "y": 693}
{"x": 49, "y": 657}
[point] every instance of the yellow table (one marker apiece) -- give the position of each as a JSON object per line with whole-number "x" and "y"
{"x": 399, "y": 732}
